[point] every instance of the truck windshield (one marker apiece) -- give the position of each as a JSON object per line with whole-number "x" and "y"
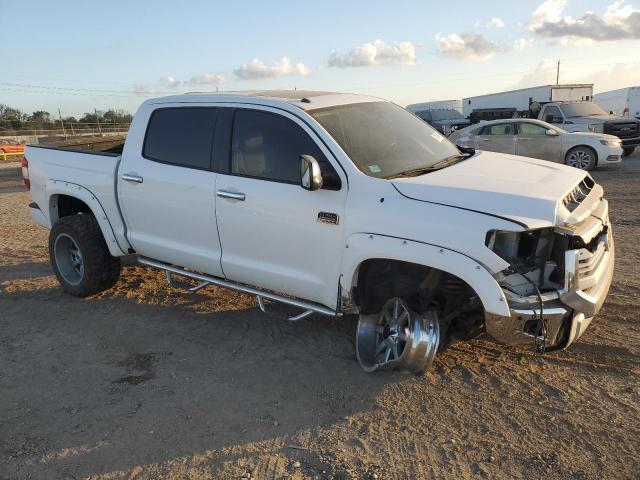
{"x": 384, "y": 140}
{"x": 585, "y": 109}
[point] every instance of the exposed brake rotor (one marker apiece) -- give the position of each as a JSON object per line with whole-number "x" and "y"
{"x": 397, "y": 338}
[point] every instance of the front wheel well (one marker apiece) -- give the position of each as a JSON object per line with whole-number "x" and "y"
{"x": 424, "y": 288}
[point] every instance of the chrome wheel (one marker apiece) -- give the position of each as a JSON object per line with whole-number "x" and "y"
{"x": 69, "y": 259}
{"x": 393, "y": 331}
{"x": 580, "y": 158}
{"x": 397, "y": 338}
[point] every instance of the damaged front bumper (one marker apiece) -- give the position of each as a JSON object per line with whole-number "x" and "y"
{"x": 569, "y": 311}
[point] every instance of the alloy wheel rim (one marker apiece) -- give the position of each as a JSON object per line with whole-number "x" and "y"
{"x": 580, "y": 159}
{"x": 68, "y": 259}
{"x": 392, "y": 331}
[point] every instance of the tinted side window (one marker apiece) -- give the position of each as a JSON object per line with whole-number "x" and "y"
{"x": 526, "y": 128}
{"x": 268, "y": 146}
{"x": 181, "y": 136}
{"x": 499, "y": 129}
{"x": 555, "y": 112}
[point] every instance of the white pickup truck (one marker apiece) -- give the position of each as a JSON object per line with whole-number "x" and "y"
{"x": 334, "y": 204}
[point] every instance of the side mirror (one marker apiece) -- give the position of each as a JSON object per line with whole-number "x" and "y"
{"x": 310, "y": 174}
{"x": 552, "y": 133}
{"x": 548, "y": 118}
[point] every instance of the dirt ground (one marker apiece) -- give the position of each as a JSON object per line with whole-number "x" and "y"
{"x": 147, "y": 382}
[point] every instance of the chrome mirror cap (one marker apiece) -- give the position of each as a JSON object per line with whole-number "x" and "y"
{"x": 310, "y": 174}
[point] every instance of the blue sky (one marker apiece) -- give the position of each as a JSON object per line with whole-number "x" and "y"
{"x": 77, "y": 55}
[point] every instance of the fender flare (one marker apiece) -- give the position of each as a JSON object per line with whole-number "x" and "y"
{"x": 365, "y": 246}
{"x": 62, "y": 187}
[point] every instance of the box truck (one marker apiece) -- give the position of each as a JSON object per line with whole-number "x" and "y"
{"x": 623, "y": 101}
{"x": 527, "y": 101}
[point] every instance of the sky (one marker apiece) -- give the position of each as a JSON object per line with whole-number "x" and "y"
{"x": 79, "y": 55}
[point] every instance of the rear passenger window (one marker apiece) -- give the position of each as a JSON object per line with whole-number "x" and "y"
{"x": 268, "y": 146}
{"x": 181, "y": 136}
{"x": 499, "y": 129}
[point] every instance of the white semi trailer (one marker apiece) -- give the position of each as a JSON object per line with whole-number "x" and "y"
{"x": 436, "y": 105}
{"x": 623, "y": 101}
{"x": 523, "y": 98}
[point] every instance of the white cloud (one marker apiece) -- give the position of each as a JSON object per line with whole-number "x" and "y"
{"x": 257, "y": 69}
{"x": 169, "y": 82}
{"x": 620, "y": 21}
{"x": 376, "y": 53}
{"x": 467, "y": 46}
{"x": 207, "y": 79}
{"x": 495, "y": 22}
{"x": 522, "y": 44}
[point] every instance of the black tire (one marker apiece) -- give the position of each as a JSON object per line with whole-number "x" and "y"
{"x": 582, "y": 157}
{"x": 626, "y": 151}
{"x": 79, "y": 256}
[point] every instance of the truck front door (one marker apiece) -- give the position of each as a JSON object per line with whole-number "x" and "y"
{"x": 275, "y": 234}
{"x": 167, "y": 188}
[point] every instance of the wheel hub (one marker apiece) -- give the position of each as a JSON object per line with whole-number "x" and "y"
{"x": 68, "y": 259}
{"x": 397, "y": 338}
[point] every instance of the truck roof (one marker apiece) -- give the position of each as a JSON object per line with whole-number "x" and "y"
{"x": 303, "y": 99}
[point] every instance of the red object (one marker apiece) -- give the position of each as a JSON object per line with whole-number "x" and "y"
{"x": 25, "y": 173}
{"x": 625, "y": 113}
{"x": 12, "y": 148}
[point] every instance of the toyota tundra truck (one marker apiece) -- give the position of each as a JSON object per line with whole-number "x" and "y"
{"x": 334, "y": 204}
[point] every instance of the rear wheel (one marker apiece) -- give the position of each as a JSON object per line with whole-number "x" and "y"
{"x": 583, "y": 158}
{"x": 626, "y": 151}
{"x": 80, "y": 257}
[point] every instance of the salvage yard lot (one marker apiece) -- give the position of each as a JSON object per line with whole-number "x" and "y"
{"x": 145, "y": 381}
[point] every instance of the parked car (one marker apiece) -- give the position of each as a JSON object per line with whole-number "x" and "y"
{"x": 537, "y": 139}
{"x": 445, "y": 121}
{"x": 590, "y": 117}
{"x": 334, "y": 204}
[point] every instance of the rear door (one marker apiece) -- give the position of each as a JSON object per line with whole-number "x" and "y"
{"x": 275, "y": 234}
{"x": 532, "y": 141}
{"x": 167, "y": 188}
{"x": 497, "y": 137}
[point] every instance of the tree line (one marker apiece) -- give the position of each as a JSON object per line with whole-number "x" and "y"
{"x": 14, "y": 122}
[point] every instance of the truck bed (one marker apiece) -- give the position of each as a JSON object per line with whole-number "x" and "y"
{"x": 57, "y": 171}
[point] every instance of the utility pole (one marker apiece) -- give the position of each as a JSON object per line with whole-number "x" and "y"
{"x": 98, "y": 120}
{"x": 64, "y": 132}
{"x": 558, "y": 74}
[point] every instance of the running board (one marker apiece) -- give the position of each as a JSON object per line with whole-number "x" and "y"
{"x": 308, "y": 307}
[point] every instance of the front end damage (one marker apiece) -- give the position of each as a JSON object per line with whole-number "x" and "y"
{"x": 558, "y": 277}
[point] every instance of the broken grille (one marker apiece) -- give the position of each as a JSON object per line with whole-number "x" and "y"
{"x": 578, "y": 194}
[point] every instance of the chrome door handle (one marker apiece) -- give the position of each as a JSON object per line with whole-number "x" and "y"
{"x": 132, "y": 178}
{"x": 231, "y": 195}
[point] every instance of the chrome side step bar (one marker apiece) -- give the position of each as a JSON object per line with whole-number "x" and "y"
{"x": 308, "y": 307}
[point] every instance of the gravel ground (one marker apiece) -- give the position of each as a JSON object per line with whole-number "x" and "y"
{"x": 145, "y": 381}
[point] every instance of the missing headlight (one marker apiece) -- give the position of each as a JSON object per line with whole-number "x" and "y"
{"x": 531, "y": 254}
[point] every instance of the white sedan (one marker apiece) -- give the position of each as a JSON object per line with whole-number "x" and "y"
{"x": 538, "y": 139}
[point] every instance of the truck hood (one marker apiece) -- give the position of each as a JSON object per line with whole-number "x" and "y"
{"x": 521, "y": 189}
{"x": 598, "y": 119}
